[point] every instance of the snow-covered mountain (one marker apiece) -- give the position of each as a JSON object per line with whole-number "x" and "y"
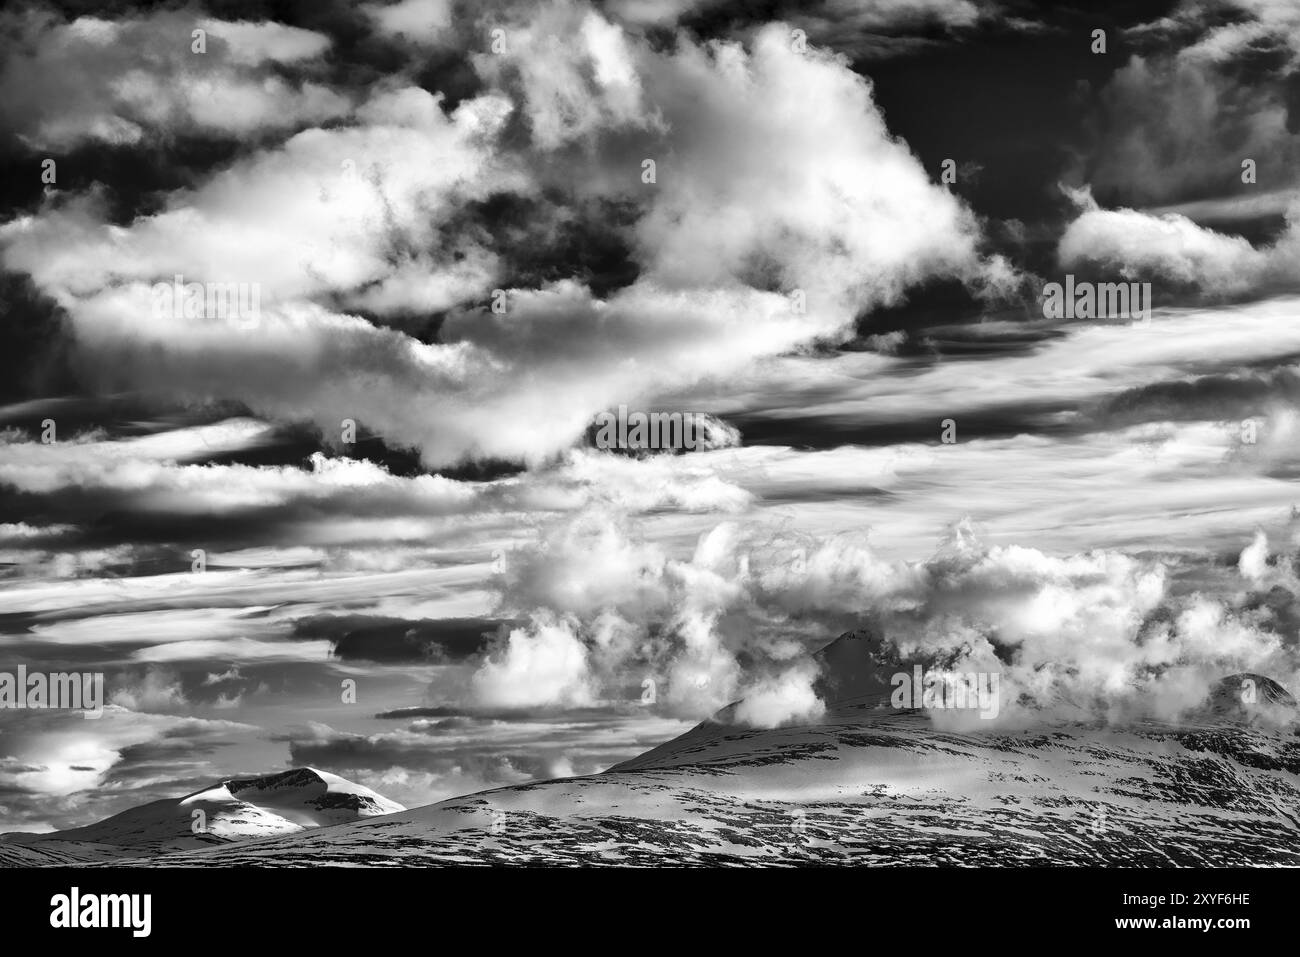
{"x": 867, "y": 784}
{"x": 235, "y": 809}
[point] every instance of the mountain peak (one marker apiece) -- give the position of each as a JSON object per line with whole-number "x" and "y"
{"x": 294, "y": 777}
{"x": 856, "y": 664}
{"x": 234, "y": 809}
{"x": 1250, "y": 698}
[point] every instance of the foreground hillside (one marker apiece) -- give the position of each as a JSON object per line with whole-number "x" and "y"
{"x": 869, "y": 783}
{"x": 870, "y": 786}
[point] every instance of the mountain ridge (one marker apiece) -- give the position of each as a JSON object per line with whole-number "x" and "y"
{"x": 867, "y": 784}
{"x": 232, "y": 809}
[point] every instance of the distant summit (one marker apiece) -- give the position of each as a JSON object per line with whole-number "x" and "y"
{"x": 1249, "y": 698}
{"x": 308, "y": 797}
{"x": 856, "y": 665}
{"x": 234, "y": 809}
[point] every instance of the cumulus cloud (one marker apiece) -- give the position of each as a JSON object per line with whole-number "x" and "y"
{"x": 750, "y": 185}
{"x": 768, "y": 226}
{"x": 127, "y": 81}
{"x": 788, "y": 698}
{"x": 354, "y": 205}
{"x": 1171, "y": 247}
{"x": 1253, "y": 563}
{"x": 574, "y": 72}
{"x": 158, "y": 689}
{"x": 420, "y": 22}
{"x": 1209, "y": 88}
{"x": 1101, "y": 633}
{"x": 1153, "y": 147}
{"x": 542, "y": 666}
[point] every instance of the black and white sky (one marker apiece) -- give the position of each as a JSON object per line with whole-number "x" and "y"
{"x": 1114, "y": 521}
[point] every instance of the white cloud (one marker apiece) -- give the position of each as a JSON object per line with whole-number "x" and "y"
{"x": 343, "y": 199}
{"x": 788, "y": 698}
{"x": 1172, "y": 247}
{"x": 1253, "y": 563}
{"x": 757, "y": 197}
{"x": 127, "y": 81}
{"x": 1176, "y": 121}
{"x": 1095, "y": 632}
{"x": 543, "y": 666}
{"x": 421, "y": 22}
{"x": 54, "y": 755}
{"x": 156, "y": 690}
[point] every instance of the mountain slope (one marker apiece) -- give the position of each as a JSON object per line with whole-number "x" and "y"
{"x": 232, "y": 810}
{"x": 869, "y": 786}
